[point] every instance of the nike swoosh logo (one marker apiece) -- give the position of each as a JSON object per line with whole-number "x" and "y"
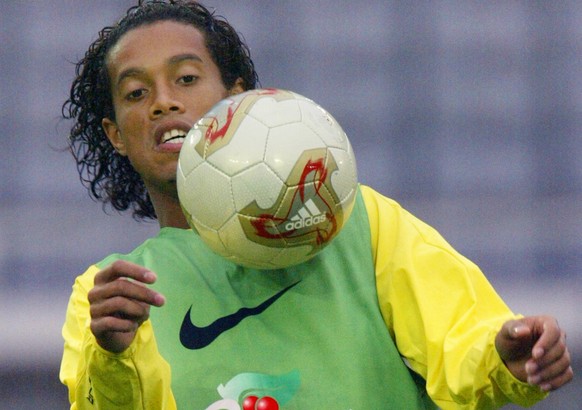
{"x": 193, "y": 337}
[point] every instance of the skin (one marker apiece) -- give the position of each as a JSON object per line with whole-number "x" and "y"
{"x": 534, "y": 350}
{"x": 163, "y": 77}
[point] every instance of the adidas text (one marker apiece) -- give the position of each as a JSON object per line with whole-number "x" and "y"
{"x": 302, "y": 223}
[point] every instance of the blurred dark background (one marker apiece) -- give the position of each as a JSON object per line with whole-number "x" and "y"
{"x": 468, "y": 113}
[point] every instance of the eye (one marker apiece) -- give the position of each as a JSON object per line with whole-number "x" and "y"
{"x": 188, "y": 79}
{"x": 135, "y": 94}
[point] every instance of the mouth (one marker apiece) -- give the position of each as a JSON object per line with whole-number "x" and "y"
{"x": 171, "y": 135}
{"x": 174, "y": 136}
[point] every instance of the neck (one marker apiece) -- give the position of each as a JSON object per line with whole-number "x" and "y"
{"x": 169, "y": 212}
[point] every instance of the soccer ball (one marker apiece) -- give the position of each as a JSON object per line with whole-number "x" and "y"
{"x": 267, "y": 178}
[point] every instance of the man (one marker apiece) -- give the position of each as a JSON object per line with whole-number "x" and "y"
{"x": 386, "y": 314}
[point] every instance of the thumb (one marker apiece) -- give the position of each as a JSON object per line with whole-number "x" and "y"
{"x": 517, "y": 329}
{"x": 514, "y": 340}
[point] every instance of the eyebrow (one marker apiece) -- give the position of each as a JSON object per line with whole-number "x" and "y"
{"x": 133, "y": 72}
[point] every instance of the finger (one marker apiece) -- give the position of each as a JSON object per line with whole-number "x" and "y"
{"x": 551, "y": 370}
{"x": 551, "y": 354}
{"x": 112, "y": 324}
{"x": 125, "y": 269}
{"x": 120, "y": 307}
{"x": 514, "y": 340}
{"x": 126, "y": 289}
{"x": 549, "y": 334}
{"x": 558, "y": 381}
{"x": 114, "y": 334}
{"x": 518, "y": 329}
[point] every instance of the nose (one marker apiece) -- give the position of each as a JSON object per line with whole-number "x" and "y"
{"x": 165, "y": 103}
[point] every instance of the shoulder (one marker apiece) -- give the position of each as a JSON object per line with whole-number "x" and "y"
{"x": 389, "y": 216}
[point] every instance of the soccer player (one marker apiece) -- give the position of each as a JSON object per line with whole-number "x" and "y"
{"x": 389, "y": 316}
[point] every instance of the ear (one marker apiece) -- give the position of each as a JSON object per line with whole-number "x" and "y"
{"x": 237, "y": 88}
{"x": 114, "y": 135}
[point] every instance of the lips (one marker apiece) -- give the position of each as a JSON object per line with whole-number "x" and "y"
{"x": 171, "y": 135}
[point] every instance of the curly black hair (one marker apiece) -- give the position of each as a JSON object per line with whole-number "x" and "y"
{"x": 109, "y": 176}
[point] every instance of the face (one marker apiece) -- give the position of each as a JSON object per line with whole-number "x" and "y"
{"x": 162, "y": 81}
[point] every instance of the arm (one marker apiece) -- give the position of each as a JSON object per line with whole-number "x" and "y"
{"x": 135, "y": 377}
{"x": 442, "y": 312}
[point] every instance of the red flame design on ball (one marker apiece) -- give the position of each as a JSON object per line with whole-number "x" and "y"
{"x": 263, "y": 224}
{"x": 318, "y": 167}
{"x": 213, "y": 132}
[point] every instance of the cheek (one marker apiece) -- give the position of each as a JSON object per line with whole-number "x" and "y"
{"x": 127, "y": 114}
{"x": 130, "y": 123}
{"x": 202, "y": 106}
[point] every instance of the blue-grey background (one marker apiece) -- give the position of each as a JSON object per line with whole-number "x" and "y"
{"x": 469, "y": 113}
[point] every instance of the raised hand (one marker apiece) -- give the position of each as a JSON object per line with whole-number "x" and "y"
{"x": 120, "y": 302}
{"x": 534, "y": 350}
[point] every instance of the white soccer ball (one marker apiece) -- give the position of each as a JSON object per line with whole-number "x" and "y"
{"x": 267, "y": 178}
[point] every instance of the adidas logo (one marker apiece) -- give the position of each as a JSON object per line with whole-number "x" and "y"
{"x": 308, "y": 215}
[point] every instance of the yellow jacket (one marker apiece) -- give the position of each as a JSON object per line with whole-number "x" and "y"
{"x": 456, "y": 357}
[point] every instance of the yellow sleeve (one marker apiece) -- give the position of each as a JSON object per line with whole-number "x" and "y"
{"x": 441, "y": 311}
{"x": 138, "y": 378}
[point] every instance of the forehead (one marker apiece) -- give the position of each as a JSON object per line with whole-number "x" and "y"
{"x": 152, "y": 44}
